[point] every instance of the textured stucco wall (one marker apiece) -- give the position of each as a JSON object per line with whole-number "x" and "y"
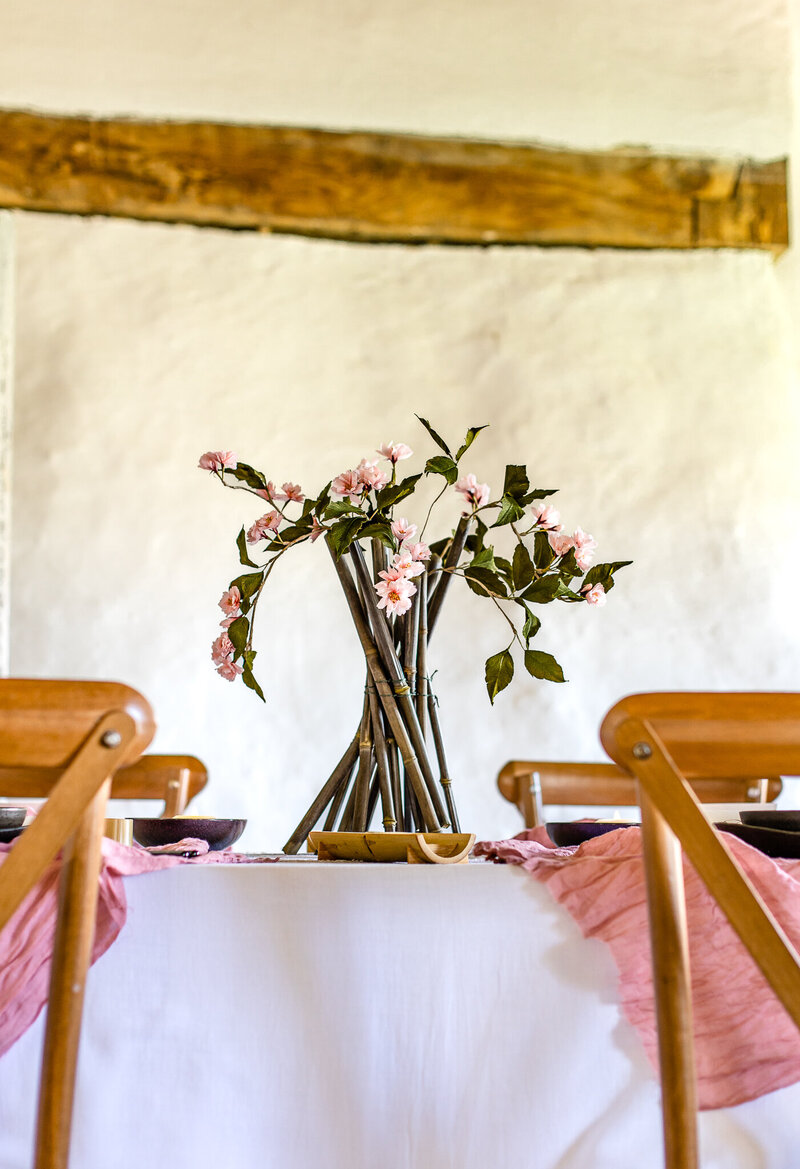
{"x": 658, "y": 391}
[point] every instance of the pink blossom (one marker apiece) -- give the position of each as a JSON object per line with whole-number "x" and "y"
{"x": 269, "y": 492}
{"x": 560, "y": 542}
{"x": 402, "y": 530}
{"x": 395, "y": 595}
{"x": 266, "y": 526}
{"x": 585, "y": 546}
{"x": 229, "y": 670}
{"x": 349, "y": 484}
{"x": 405, "y": 563}
{"x": 474, "y": 492}
{"x": 395, "y": 451}
{"x": 316, "y": 529}
{"x": 291, "y": 492}
{"x": 226, "y": 624}
{"x": 221, "y": 649}
{"x": 546, "y": 517}
{"x": 596, "y": 595}
{"x": 420, "y": 552}
{"x": 217, "y": 460}
{"x": 370, "y": 476}
{"x": 230, "y": 602}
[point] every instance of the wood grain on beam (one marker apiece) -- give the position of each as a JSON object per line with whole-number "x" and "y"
{"x": 386, "y": 187}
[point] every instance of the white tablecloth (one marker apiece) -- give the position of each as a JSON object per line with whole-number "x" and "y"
{"x": 310, "y": 1016}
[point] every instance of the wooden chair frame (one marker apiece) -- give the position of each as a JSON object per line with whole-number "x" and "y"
{"x": 665, "y": 740}
{"x": 83, "y": 732}
{"x": 530, "y": 784}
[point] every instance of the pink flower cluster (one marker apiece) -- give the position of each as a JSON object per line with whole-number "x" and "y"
{"x": 475, "y": 493}
{"x": 222, "y": 647}
{"x": 395, "y": 588}
{"x": 581, "y": 541}
{"x": 365, "y": 477}
{"x": 264, "y": 528}
{"x": 291, "y": 492}
{"x": 218, "y": 461}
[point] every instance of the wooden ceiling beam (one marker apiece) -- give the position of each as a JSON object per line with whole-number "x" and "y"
{"x": 375, "y": 187}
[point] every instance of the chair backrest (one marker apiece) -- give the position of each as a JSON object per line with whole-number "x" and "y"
{"x": 665, "y": 740}
{"x": 175, "y": 779}
{"x": 532, "y": 784}
{"x": 81, "y": 733}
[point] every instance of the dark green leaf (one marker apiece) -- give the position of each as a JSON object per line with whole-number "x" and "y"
{"x": 475, "y": 541}
{"x": 566, "y": 594}
{"x": 308, "y": 506}
{"x": 341, "y": 507}
{"x": 568, "y": 566}
{"x": 481, "y": 579}
{"x": 510, "y": 512}
{"x": 516, "y": 482}
{"x": 442, "y": 465}
{"x": 438, "y": 546}
{"x": 241, "y": 544}
{"x": 543, "y": 554}
{"x": 542, "y": 665}
{"x": 248, "y": 584}
{"x": 543, "y": 590}
{"x": 531, "y": 627}
{"x": 522, "y": 567}
{"x": 436, "y": 437}
{"x": 238, "y": 633}
{"x": 295, "y": 532}
{"x": 472, "y": 434}
{"x": 323, "y": 499}
{"x": 499, "y": 672}
{"x": 378, "y": 530}
{"x": 532, "y": 495}
{"x": 392, "y": 494}
{"x": 247, "y": 474}
{"x": 484, "y": 558}
{"x": 604, "y": 574}
{"x": 505, "y": 570}
{"x": 341, "y": 535}
{"x": 249, "y": 680}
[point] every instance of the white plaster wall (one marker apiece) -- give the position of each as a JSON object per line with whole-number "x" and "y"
{"x": 658, "y": 391}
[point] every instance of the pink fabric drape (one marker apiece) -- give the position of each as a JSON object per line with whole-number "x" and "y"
{"x": 746, "y": 1044}
{"x": 26, "y": 944}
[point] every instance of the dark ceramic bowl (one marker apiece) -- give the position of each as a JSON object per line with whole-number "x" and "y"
{"x": 12, "y": 817}
{"x": 566, "y": 833}
{"x": 786, "y": 821}
{"x": 9, "y": 834}
{"x": 770, "y": 841}
{"x": 219, "y": 834}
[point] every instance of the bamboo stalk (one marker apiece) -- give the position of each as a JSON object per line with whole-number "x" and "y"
{"x": 364, "y": 770}
{"x": 382, "y": 761}
{"x": 446, "y": 575}
{"x": 421, "y": 698}
{"x": 444, "y": 775}
{"x": 338, "y": 776}
{"x": 336, "y": 802}
{"x": 385, "y": 644}
{"x": 433, "y": 823}
{"x": 374, "y": 789}
{"x": 411, "y": 633}
{"x": 397, "y": 791}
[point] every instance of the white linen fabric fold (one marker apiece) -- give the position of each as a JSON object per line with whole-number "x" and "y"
{"x": 363, "y": 1017}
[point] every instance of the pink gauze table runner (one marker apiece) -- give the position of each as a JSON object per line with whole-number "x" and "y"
{"x": 746, "y": 1044}
{"x": 26, "y": 944}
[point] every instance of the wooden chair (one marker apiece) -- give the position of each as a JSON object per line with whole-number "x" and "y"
{"x": 531, "y": 784}
{"x": 665, "y": 741}
{"x": 175, "y": 779}
{"x": 81, "y": 733}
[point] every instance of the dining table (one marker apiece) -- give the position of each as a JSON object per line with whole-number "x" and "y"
{"x": 310, "y": 1015}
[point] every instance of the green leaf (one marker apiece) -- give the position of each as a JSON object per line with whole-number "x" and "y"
{"x": 568, "y": 565}
{"x": 436, "y": 437}
{"x": 442, "y": 465}
{"x": 484, "y": 558}
{"x": 522, "y": 567}
{"x": 532, "y": 495}
{"x": 472, "y": 434}
{"x": 475, "y": 540}
{"x": 499, "y": 672}
{"x": 505, "y": 570}
{"x": 531, "y": 627}
{"x": 342, "y": 534}
{"x": 543, "y": 590}
{"x": 238, "y": 633}
{"x": 247, "y": 474}
{"x": 249, "y": 678}
{"x": 567, "y": 594}
{"x": 510, "y": 512}
{"x": 481, "y": 579}
{"x": 378, "y": 530}
{"x": 542, "y": 665}
{"x": 604, "y": 574}
{"x": 241, "y": 544}
{"x": 342, "y": 507}
{"x": 295, "y": 532}
{"x": 543, "y": 554}
{"x": 516, "y": 482}
{"x": 438, "y": 546}
{"x": 392, "y": 494}
{"x": 322, "y": 500}
{"x": 248, "y": 584}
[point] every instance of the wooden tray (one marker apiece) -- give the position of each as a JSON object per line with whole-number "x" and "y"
{"x": 417, "y": 848}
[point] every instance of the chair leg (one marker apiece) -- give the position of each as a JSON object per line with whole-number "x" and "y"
{"x": 529, "y": 799}
{"x": 669, "y": 942}
{"x": 71, "y": 956}
{"x": 177, "y": 796}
